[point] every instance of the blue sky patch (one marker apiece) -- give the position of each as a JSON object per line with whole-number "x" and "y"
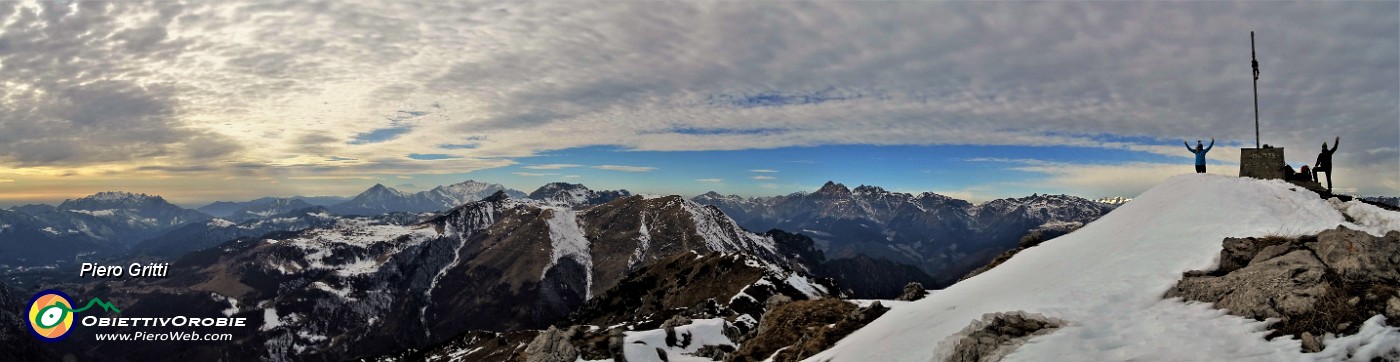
{"x": 430, "y": 156}
{"x": 380, "y": 135}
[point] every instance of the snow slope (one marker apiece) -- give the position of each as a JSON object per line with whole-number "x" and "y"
{"x": 1107, "y": 279}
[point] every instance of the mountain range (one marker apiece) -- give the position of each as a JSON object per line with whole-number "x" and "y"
{"x": 857, "y": 231}
{"x": 497, "y": 264}
{"x": 101, "y": 225}
{"x": 943, "y": 236}
{"x": 576, "y": 273}
{"x": 227, "y": 208}
{"x": 380, "y": 199}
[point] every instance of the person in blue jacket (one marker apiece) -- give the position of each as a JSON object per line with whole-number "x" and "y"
{"x": 1200, "y": 152}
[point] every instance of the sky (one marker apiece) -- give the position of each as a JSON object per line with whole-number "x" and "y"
{"x": 203, "y": 101}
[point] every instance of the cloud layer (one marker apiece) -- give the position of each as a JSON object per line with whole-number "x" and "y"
{"x": 311, "y": 89}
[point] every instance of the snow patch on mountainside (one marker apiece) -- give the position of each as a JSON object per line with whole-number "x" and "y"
{"x": 270, "y": 320}
{"x": 713, "y": 226}
{"x": 804, "y": 285}
{"x": 1107, "y": 280}
{"x": 568, "y": 241}
{"x": 220, "y": 223}
{"x": 343, "y": 293}
{"x": 643, "y": 243}
{"x": 98, "y": 213}
{"x": 319, "y": 244}
{"x": 643, "y": 345}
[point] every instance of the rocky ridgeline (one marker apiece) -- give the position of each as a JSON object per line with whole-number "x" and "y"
{"x": 666, "y": 295}
{"x": 1313, "y": 285}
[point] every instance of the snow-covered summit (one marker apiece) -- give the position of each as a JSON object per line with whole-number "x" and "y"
{"x": 1107, "y": 279}
{"x": 140, "y": 214}
{"x": 466, "y": 191}
{"x": 112, "y": 199}
{"x": 575, "y": 195}
{"x": 382, "y": 199}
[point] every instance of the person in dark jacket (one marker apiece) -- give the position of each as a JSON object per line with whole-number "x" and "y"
{"x": 1200, "y": 152}
{"x": 1324, "y": 162}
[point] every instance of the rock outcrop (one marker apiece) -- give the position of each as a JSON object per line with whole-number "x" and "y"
{"x": 553, "y": 346}
{"x": 800, "y": 329}
{"x": 913, "y": 291}
{"x": 996, "y": 335}
{"x": 1314, "y": 285}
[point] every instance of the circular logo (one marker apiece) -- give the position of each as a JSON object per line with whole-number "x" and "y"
{"x": 50, "y": 315}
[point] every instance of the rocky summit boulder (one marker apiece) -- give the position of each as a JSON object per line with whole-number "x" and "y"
{"x": 1314, "y": 285}
{"x": 1290, "y": 284}
{"x": 1358, "y": 256}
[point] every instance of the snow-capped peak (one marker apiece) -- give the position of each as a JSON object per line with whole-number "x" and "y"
{"x": 575, "y": 195}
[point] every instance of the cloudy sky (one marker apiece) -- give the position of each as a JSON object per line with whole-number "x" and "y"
{"x": 206, "y": 100}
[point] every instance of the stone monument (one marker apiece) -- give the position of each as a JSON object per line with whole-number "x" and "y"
{"x": 1261, "y": 163}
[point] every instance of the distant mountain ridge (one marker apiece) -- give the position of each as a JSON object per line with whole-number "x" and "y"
{"x": 275, "y": 207}
{"x": 226, "y": 208}
{"x": 198, "y": 236}
{"x": 1388, "y": 200}
{"x": 137, "y": 211}
{"x": 100, "y": 225}
{"x": 380, "y": 199}
{"x": 943, "y": 236}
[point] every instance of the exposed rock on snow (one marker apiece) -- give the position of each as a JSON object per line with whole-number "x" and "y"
{"x": 1327, "y": 284}
{"x": 995, "y": 335}
{"x": 913, "y": 291}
